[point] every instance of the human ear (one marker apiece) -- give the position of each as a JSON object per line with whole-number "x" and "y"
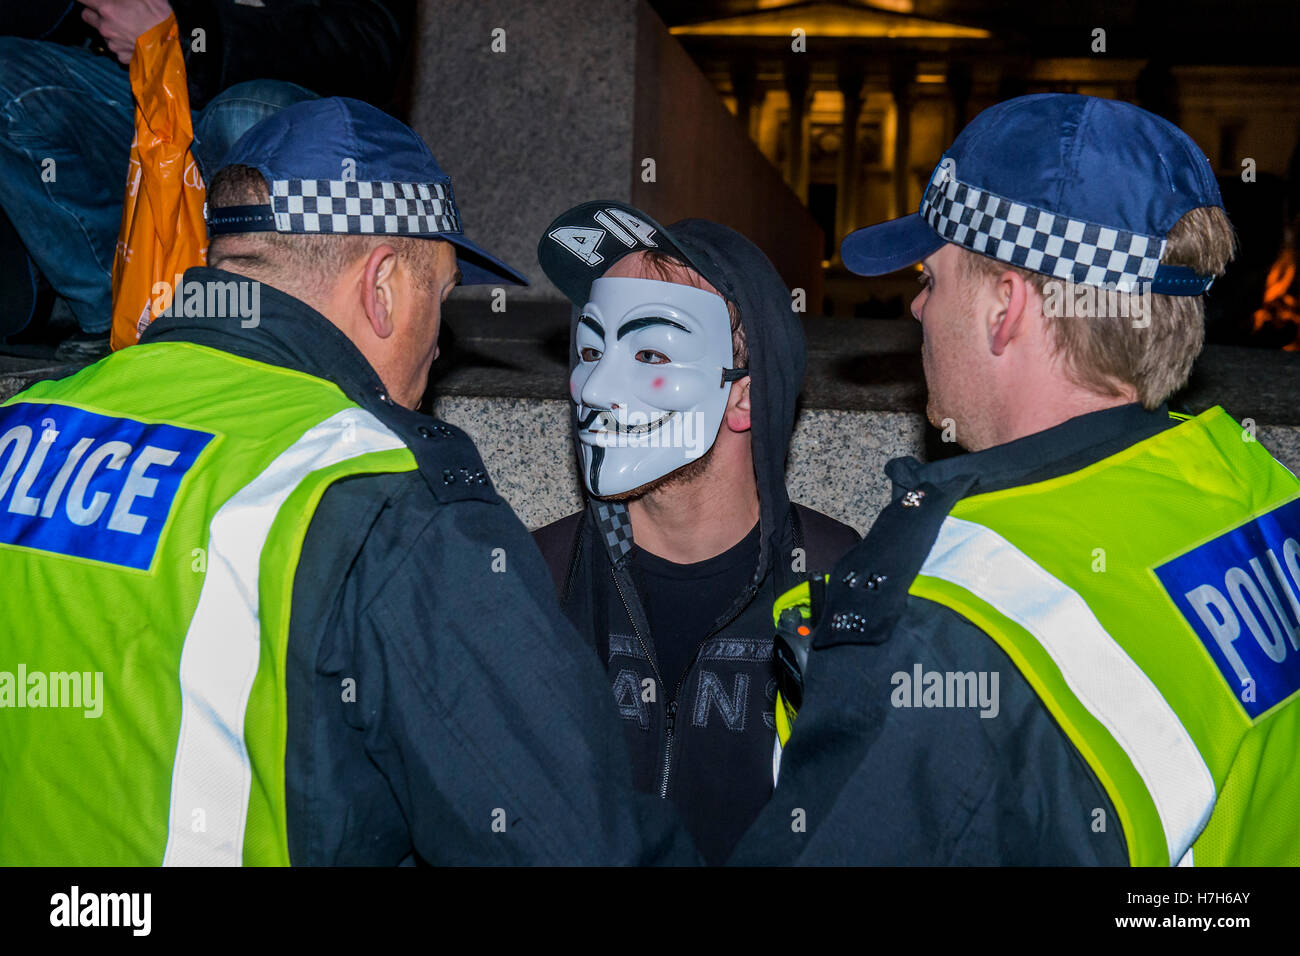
{"x": 737, "y": 415}
{"x": 1007, "y": 304}
{"x": 378, "y": 290}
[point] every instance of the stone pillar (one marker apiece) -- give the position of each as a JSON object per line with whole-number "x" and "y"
{"x": 582, "y": 106}
{"x": 744, "y": 85}
{"x": 797, "y": 85}
{"x": 517, "y": 152}
{"x": 1011, "y": 81}
{"x": 960, "y": 81}
{"x": 850, "y": 80}
{"x": 1157, "y": 90}
{"x": 901, "y": 87}
{"x": 756, "y": 112}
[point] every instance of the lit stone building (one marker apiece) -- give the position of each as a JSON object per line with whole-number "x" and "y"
{"x": 854, "y": 101}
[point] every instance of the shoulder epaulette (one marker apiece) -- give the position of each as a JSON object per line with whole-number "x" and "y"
{"x": 446, "y": 456}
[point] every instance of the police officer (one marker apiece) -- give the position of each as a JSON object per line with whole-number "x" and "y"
{"x": 1079, "y": 643}
{"x": 262, "y": 611}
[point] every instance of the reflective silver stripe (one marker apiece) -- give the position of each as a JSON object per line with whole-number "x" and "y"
{"x": 1097, "y": 670}
{"x": 211, "y": 777}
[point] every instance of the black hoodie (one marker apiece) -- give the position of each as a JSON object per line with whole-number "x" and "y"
{"x": 707, "y": 741}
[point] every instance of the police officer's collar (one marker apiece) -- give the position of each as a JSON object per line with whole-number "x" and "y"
{"x": 230, "y": 312}
{"x": 1073, "y": 444}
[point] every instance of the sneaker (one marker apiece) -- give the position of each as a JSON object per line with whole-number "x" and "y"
{"x": 83, "y": 347}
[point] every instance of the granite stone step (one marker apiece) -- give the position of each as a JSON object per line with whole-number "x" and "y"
{"x": 503, "y": 378}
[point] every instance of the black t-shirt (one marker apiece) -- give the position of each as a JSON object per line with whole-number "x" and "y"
{"x": 683, "y": 601}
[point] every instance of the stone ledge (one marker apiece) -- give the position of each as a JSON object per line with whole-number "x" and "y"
{"x": 503, "y": 379}
{"x": 853, "y": 364}
{"x": 836, "y": 463}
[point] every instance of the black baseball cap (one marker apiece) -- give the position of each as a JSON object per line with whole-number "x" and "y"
{"x": 580, "y": 245}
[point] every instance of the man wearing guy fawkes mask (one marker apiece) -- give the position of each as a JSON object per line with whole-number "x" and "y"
{"x": 686, "y": 364}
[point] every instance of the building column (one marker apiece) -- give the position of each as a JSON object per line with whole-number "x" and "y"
{"x": 744, "y": 84}
{"x": 797, "y": 86}
{"x": 756, "y": 111}
{"x": 901, "y": 87}
{"x": 960, "y": 82}
{"x": 1011, "y": 81}
{"x": 1157, "y": 90}
{"x": 850, "y": 79}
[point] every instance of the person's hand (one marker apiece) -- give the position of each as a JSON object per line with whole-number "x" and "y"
{"x": 120, "y": 22}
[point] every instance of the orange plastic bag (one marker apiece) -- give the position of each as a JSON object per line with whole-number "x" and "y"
{"x": 163, "y": 232}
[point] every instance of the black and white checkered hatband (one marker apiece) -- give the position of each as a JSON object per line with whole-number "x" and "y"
{"x": 1035, "y": 239}
{"x": 351, "y": 206}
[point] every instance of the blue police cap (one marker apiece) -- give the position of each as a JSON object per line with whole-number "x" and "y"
{"x": 337, "y": 165}
{"x": 1075, "y": 187}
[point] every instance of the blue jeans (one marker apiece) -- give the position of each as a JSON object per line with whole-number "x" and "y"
{"x": 66, "y": 123}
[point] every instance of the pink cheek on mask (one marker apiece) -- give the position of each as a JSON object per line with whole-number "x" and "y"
{"x": 659, "y": 382}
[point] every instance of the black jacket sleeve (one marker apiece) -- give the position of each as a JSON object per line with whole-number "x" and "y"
{"x": 869, "y": 782}
{"x": 332, "y": 47}
{"x": 481, "y": 730}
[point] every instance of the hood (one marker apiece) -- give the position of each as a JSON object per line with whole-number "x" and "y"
{"x": 778, "y": 355}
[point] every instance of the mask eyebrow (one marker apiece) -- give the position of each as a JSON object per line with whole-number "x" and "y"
{"x": 592, "y": 324}
{"x": 642, "y": 323}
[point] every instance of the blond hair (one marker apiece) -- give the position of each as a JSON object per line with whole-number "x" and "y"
{"x": 1103, "y": 353}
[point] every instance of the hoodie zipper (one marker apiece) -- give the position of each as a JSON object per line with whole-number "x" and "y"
{"x": 672, "y": 704}
{"x": 670, "y": 709}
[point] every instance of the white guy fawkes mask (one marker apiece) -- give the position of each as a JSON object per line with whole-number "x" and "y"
{"x": 651, "y": 380}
